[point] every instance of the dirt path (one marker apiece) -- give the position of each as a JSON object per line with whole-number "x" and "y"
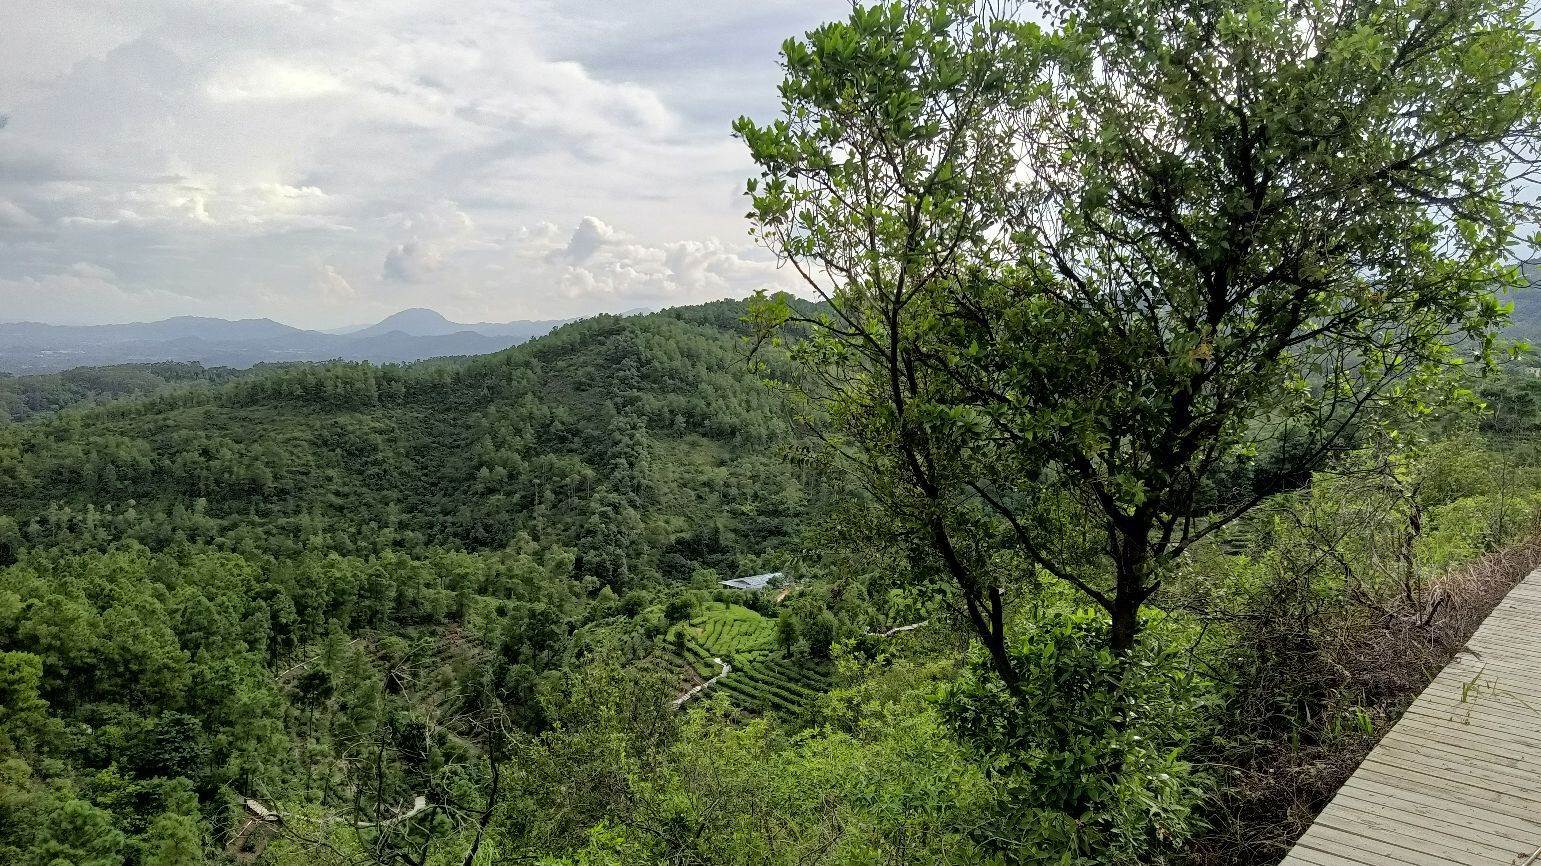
{"x": 726, "y": 668}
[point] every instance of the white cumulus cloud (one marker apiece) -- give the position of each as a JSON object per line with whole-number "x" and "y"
{"x": 494, "y": 160}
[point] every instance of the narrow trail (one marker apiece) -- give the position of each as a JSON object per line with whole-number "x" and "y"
{"x": 893, "y": 631}
{"x": 419, "y": 804}
{"x": 726, "y": 669}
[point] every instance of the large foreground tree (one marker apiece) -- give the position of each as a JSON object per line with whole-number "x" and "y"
{"x": 1092, "y": 290}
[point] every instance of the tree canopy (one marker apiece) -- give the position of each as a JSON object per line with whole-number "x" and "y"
{"x": 1079, "y": 281}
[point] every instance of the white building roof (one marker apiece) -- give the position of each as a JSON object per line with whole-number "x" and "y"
{"x": 758, "y": 581}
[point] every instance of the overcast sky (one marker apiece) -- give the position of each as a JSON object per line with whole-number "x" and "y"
{"x": 328, "y": 162}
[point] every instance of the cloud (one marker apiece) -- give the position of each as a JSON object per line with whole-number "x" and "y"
{"x": 435, "y": 234}
{"x": 410, "y": 262}
{"x": 13, "y": 215}
{"x": 602, "y": 264}
{"x": 587, "y": 240}
{"x": 271, "y": 79}
{"x": 332, "y": 288}
{"x": 82, "y": 294}
{"x": 210, "y": 154}
{"x": 89, "y": 271}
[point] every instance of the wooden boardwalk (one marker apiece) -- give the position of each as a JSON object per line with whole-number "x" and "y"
{"x": 1458, "y": 778}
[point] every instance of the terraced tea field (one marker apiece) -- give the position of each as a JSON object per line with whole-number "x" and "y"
{"x": 763, "y": 677}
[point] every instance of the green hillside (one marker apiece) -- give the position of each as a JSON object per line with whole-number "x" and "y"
{"x": 762, "y": 676}
{"x": 36, "y": 396}
{"x": 642, "y": 444}
{"x": 334, "y": 589}
{"x": 223, "y": 587}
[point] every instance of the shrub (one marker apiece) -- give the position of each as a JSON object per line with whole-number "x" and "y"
{"x": 679, "y": 609}
{"x": 1088, "y": 765}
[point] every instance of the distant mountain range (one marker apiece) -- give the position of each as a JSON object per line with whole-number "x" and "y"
{"x": 1525, "y": 321}
{"x": 427, "y": 323}
{"x": 410, "y": 335}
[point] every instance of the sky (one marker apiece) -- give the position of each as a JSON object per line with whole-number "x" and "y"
{"x": 328, "y": 162}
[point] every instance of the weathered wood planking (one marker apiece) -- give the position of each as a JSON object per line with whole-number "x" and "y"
{"x": 1458, "y": 778}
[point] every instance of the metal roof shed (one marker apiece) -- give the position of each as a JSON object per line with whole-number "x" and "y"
{"x": 753, "y": 582}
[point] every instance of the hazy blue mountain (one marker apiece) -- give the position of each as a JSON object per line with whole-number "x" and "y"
{"x": 524, "y": 330}
{"x": 345, "y": 329}
{"x": 32, "y": 347}
{"x": 419, "y": 322}
{"x": 398, "y": 346}
{"x": 1525, "y": 321}
{"x": 35, "y": 333}
{"x": 416, "y": 322}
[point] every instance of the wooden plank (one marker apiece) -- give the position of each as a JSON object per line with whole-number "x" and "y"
{"x": 1519, "y": 597}
{"x": 1506, "y": 631}
{"x": 1458, "y": 779}
{"x": 1497, "y": 694}
{"x": 1497, "y": 677}
{"x": 1477, "y": 720}
{"x": 1460, "y": 750}
{"x": 1426, "y": 806}
{"x": 1394, "y": 829}
{"x": 1304, "y": 855}
{"x": 1515, "y": 753}
{"x": 1367, "y": 841}
{"x": 1494, "y": 701}
{"x": 1502, "y": 617}
{"x": 1498, "y": 705}
{"x": 1468, "y": 767}
{"x": 1454, "y": 791}
{"x": 1503, "y": 646}
{"x": 1466, "y": 777}
{"x": 1468, "y": 716}
{"x": 1497, "y": 671}
{"x": 1440, "y": 717}
{"x": 1505, "y": 636}
{"x": 1510, "y": 662}
{"x": 1340, "y": 848}
{"x": 1492, "y": 695}
{"x": 1508, "y": 668}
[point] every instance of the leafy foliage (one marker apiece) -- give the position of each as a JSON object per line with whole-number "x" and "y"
{"x": 1073, "y": 277}
{"x": 1093, "y": 770}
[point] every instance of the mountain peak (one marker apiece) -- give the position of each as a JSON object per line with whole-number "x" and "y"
{"x": 418, "y": 313}
{"x": 417, "y": 321}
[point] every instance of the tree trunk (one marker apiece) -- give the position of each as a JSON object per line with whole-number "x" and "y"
{"x": 989, "y": 626}
{"x": 492, "y": 805}
{"x": 1131, "y": 564}
{"x": 1126, "y": 623}
{"x": 1000, "y": 659}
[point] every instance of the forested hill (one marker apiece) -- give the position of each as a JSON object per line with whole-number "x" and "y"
{"x": 238, "y": 585}
{"x": 23, "y": 398}
{"x": 642, "y": 443}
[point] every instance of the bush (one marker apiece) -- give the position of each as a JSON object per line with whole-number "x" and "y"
{"x": 1088, "y": 765}
{"x": 679, "y": 609}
